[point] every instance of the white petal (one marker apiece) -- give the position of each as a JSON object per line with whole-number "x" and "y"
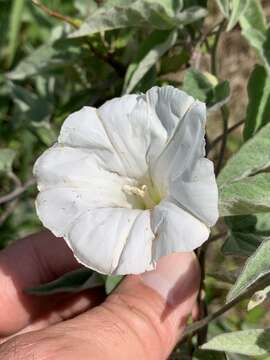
{"x": 182, "y": 150}
{"x": 196, "y": 190}
{"x": 58, "y": 208}
{"x": 136, "y": 256}
{"x": 99, "y": 236}
{"x": 170, "y": 106}
{"x": 62, "y": 166}
{"x": 134, "y": 131}
{"x": 176, "y": 230}
{"x": 84, "y": 129}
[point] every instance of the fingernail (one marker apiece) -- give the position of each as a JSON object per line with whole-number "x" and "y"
{"x": 175, "y": 275}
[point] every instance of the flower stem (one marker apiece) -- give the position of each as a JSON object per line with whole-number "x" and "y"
{"x": 73, "y": 22}
{"x": 225, "y": 119}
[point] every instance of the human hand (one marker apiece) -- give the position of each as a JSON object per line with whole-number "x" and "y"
{"x": 142, "y": 319}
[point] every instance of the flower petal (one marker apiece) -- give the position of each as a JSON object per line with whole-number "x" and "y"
{"x": 84, "y": 129}
{"x": 58, "y": 208}
{"x": 183, "y": 148}
{"x": 196, "y": 190}
{"x": 176, "y": 230}
{"x": 62, "y": 166}
{"x": 136, "y": 256}
{"x": 99, "y": 236}
{"x": 182, "y": 172}
{"x": 170, "y": 106}
{"x": 133, "y": 129}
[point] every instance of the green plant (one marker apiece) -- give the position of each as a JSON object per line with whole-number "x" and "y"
{"x": 58, "y": 56}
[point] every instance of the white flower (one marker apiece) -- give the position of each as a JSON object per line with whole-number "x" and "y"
{"x": 128, "y": 183}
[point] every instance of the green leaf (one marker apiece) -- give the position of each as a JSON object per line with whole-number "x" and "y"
{"x": 139, "y": 13}
{"x": 224, "y": 6}
{"x": 14, "y": 28}
{"x": 46, "y": 58}
{"x": 256, "y": 267}
{"x": 238, "y": 7}
{"x": 31, "y": 106}
{"x": 208, "y": 355}
{"x": 7, "y": 157}
{"x": 254, "y": 29}
{"x": 254, "y": 342}
{"x": 253, "y": 17}
{"x": 45, "y": 132}
{"x": 75, "y": 281}
{"x": 258, "y": 110}
{"x": 34, "y": 63}
{"x": 155, "y": 46}
{"x": 260, "y": 41}
{"x": 252, "y": 157}
{"x": 246, "y": 233}
{"x": 206, "y": 88}
{"x": 247, "y": 196}
{"x": 112, "y": 282}
{"x": 241, "y": 244}
{"x": 258, "y": 297}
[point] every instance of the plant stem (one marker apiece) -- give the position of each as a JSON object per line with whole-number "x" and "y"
{"x": 225, "y": 119}
{"x": 197, "y": 326}
{"x": 202, "y": 333}
{"x": 214, "y": 48}
{"x": 8, "y": 211}
{"x": 73, "y": 22}
{"x": 17, "y": 192}
{"x": 229, "y": 130}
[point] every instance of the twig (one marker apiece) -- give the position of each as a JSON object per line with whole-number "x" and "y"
{"x": 17, "y": 192}
{"x": 225, "y": 119}
{"x": 202, "y": 334}
{"x": 14, "y": 178}
{"x": 193, "y": 328}
{"x": 217, "y": 237}
{"x": 8, "y": 211}
{"x": 213, "y": 53}
{"x": 107, "y": 58}
{"x": 229, "y": 130}
{"x": 74, "y": 23}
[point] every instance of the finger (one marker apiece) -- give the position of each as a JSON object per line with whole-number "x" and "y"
{"x": 29, "y": 262}
{"x": 143, "y": 319}
{"x": 65, "y": 308}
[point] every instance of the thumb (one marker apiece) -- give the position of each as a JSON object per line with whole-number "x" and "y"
{"x": 156, "y": 306}
{"x": 142, "y": 319}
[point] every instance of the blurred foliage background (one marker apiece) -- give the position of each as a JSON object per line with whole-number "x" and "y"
{"x": 57, "y": 56}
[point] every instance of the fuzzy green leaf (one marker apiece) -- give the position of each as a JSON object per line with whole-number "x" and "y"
{"x": 252, "y": 157}
{"x": 224, "y": 6}
{"x": 75, "y": 281}
{"x": 254, "y": 342}
{"x": 258, "y": 110}
{"x": 238, "y": 7}
{"x": 112, "y": 282}
{"x": 156, "y": 45}
{"x": 246, "y": 196}
{"x": 140, "y": 13}
{"x": 256, "y": 267}
{"x": 198, "y": 85}
{"x": 7, "y": 157}
{"x": 14, "y": 28}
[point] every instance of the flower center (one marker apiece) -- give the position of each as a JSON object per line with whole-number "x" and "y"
{"x": 144, "y": 194}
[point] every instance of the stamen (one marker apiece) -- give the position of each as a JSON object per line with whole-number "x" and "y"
{"x": 141, "y": 192}
{"x": 133, "y": 190}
